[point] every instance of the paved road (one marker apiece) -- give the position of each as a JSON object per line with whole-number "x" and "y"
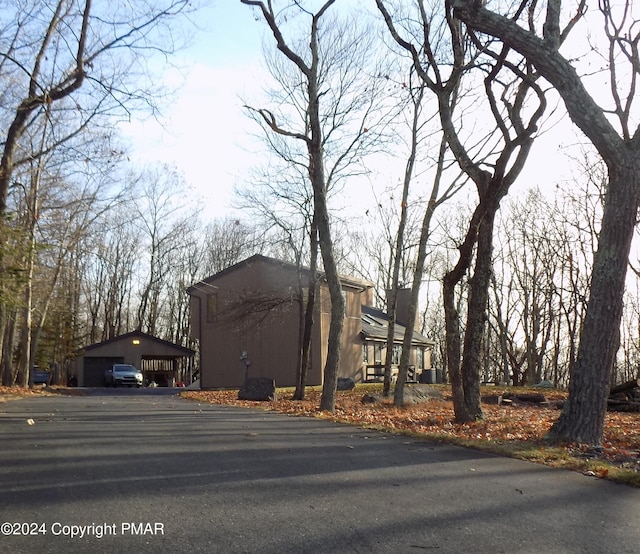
{"x": 145, "y": 472}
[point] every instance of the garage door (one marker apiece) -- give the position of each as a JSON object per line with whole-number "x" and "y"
{"x": 94, "y": 369}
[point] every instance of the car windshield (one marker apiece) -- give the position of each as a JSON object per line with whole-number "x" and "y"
{"x": 124, "y": 368}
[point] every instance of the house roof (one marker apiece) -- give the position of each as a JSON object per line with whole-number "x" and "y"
{"x": 375, "y": 325}
{"x": 259, "y": 258}
{"x": 139, "y": 334}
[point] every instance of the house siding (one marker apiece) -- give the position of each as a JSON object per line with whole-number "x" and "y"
{"x": 351, "y": 353}
{"x": 258, "y": 313}
{"x": 270, "y": 338}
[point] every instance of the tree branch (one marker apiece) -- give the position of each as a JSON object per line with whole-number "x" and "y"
{"x": 583, "y": 109}
{"x": 270, "y": 18}
{"x": 268, "y": 117}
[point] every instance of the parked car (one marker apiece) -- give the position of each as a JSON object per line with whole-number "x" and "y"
{"x": 40, "y": 377}
{"x": 123, "y": 374}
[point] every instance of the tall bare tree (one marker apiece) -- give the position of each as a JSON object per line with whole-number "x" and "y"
{"x": 436, "y": 197}
{"x": 582, "y": 419}
{"x": 281, "y": 202}
{"x": 509, "y": 87}
{"x": 332, "y": 119}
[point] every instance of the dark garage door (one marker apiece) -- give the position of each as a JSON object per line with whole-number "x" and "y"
{"x": 94, "y": 369}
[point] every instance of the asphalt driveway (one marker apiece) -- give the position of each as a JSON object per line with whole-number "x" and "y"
{"x": 150, "y": 472}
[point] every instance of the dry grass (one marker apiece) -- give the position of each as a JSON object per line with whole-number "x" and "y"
{"x": 14, "y": 393}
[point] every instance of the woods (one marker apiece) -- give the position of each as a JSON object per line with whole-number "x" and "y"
{"x": 436, "y": 107}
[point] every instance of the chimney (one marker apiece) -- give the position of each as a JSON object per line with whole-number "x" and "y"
{"x": 403, "y": 299}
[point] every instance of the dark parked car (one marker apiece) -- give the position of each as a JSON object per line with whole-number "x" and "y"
{"x": 123, "y": 374}
{"x": 40, "y": 377}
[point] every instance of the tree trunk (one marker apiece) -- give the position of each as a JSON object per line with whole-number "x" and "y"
{"x": 425, "y": 231}
{"x": 321, "y": 214}
{"x": 477, "y": 317}
{"x": 332, "y": 364}
{"x": 307, "y": 323}
{"x": 314, "y": 140}
{"x": 582, "y": 418}
{"x": 452, "y": 317}
{"x": 398, "y": 393}
{"x": 454, "y": 345}
{"x": 392, "y": 300}
{"x": 7, "y": 328}
{"x": 625, "y": 387}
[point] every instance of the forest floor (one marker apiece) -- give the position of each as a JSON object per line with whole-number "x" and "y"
{"x": 516, "y": 430}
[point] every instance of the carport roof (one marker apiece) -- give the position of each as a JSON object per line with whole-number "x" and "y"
{"x": 180, "y": 349}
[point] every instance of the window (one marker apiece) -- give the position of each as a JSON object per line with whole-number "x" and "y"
{"x": 378, "y": 353}
{"x": 395, "y": 354}
{"x": 420, "y": 357}
{"x": 212, "y": 307}
{"x": 365, "y": 353}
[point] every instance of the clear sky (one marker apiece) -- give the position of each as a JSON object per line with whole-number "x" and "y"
{"x": 205, "y": 132}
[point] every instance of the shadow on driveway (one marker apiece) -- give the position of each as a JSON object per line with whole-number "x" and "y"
{"x": 232, "y": 480}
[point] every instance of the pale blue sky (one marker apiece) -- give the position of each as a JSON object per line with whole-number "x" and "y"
{"x": 205, "y": 132}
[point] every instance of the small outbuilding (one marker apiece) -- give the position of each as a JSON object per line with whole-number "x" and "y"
{"x": 161, "y": 362}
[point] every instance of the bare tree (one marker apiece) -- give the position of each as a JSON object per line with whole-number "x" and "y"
{"x": 370, "y": 249}
{"x": 52, "y": 213}
{"x": 332, "y": 118}
{"x": 110, "y": 263}
{"x": 281, "y": 202}
{"x": 399, "y": 246}
{"x": 49, "y": 55}
{"x": 163, "y": 226}
{"x": 509, "y": 87}
{"x": 582, "y": 418}
{"x": 226, "y": 242}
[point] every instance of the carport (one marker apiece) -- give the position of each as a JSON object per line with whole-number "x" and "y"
{"x": 161, "y": 362}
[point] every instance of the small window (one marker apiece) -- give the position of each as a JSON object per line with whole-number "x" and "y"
{"x": 212, "y": 307}
{"x": 365, "y": 353}
{"x": 395, "y": 356}
{"x": 420, "y": 357}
